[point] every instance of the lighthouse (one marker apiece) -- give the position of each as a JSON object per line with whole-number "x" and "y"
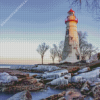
{"x": 71, "y": 50}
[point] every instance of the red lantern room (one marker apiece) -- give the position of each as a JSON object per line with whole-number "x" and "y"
{"x": 72, "y": 18}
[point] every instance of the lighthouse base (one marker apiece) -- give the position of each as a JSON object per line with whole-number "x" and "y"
{"x": 72, "y": 58}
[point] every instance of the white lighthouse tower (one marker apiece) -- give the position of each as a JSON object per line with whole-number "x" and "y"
{"x": 71, "y": 51}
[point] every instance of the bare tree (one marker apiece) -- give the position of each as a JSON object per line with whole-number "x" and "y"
{"x": 86, "y": 49}
{"x": 92, "y": 6}
{"x": 59, "y": 50}
{"x": 42, "y": 49}
{"x": 53, "y": 54}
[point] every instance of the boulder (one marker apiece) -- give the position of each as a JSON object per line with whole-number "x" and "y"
{"x": 24, "y": 95}
{"x": 96, "y": 92}
{"x": 86, "y": 88}
{"x": 73, "y": 94}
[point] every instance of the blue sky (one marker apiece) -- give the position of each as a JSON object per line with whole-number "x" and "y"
{"x": 39, "y": 21}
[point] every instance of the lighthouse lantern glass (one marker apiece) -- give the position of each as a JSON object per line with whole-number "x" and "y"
{"x": 71, "y": 13}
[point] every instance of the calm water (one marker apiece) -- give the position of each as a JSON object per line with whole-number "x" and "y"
{"x": 35, "y": 95}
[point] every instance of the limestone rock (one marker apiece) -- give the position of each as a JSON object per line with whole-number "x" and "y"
{"x": 86, "y": 87}
{"x": 73, "y": 94}
{"x": 96, "y": 92}
{"x": 24, "y": 95}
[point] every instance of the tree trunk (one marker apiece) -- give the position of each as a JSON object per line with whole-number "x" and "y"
{"x": 42, "y": 59}
{"x": 53, "y": 60}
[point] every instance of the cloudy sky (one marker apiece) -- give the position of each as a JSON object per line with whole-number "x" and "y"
{"x": 24, "y": 24}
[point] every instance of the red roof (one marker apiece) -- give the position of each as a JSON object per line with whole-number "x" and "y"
{"x": 71, "y": 11}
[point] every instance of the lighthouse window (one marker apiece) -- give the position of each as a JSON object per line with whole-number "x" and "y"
{"x": 67, "y": 32}
{"x": 78, "y": 57}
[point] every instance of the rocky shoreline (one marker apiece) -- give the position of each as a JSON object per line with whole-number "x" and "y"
{"x": 74, "y": 81}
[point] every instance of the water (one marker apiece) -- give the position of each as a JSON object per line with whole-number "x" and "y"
{"x": 4, "y": 96}
{"x": 35, "y": 95}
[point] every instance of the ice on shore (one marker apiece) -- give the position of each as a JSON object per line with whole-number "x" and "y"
{"x": 92, "y": 76}
{"x": 28, "y": 67}
{"x": 6, "y": 78}
{"x": 46, "y": 68}
{"x": 36, "y": 67}
{"x": 61, "y": 80}
{"x": 55, "y": 74}
{"x": 83, "y": 70}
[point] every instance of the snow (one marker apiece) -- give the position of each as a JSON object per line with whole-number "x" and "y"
{"x": 6, "y": 78}
{"x": 55, "y": 74}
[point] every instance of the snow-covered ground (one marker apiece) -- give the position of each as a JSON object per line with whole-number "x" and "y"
{"x": 6, "y": 78}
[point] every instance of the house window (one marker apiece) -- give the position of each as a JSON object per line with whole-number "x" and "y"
{"x": 67, "y": 32}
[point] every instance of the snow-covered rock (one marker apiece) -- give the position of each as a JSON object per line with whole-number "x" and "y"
{"x": 55, "y": 74}
{"x": 6, "y": 78}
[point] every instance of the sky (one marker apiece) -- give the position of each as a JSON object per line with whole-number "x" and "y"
{"x": 24, "y": 24}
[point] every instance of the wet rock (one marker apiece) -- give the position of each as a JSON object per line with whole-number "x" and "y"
{"x": 59, "y": 96}
{"x": 62, "y": 98}
{"x": 96, "y": 92}
{"x": 73, "y": 94}
{"x": 86, "y": 88}
{"x": 24, "y": 95}
{"x": 28, "y": 83}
